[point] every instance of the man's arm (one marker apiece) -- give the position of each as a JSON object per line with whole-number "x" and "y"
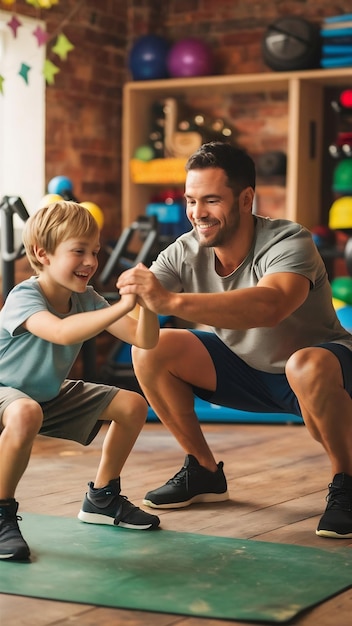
{"x": 274, "y": 298}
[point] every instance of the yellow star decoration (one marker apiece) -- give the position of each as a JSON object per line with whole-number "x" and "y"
{"x": 62, "y": 47}
{"x": 1, "y": 84}
{"x": 42, "y": 4}
{"x": 49, "y": 71}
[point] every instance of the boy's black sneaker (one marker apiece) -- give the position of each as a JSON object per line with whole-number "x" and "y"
{"x": 12, "y": 545}
{"x": 108, "y": 506}
{"x": 193, "y": 483}
{"x": 337, "y": 519}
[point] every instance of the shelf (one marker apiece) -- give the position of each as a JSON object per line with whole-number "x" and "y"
{"x": 158, "y": 171}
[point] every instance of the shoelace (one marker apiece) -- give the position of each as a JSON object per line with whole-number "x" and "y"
{"x": 179, "y": 478}
{"x": 339, "y": 498}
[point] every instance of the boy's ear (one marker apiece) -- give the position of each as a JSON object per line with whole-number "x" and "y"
{"x": 41, "y": 255}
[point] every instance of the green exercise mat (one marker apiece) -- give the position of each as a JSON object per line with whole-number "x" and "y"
{"x": 173, "y": 572}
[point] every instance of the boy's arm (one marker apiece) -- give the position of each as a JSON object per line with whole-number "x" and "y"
{"x": 80, "y": 326}
{"x": 140, "y": 328}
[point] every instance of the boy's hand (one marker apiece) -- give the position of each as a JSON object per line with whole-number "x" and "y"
{"x": 141, "y": 281}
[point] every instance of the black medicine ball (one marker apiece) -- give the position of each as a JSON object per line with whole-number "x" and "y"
{"x": 292, "y": 43}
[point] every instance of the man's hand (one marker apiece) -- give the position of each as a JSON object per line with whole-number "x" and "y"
{"x": 150, "y": 294}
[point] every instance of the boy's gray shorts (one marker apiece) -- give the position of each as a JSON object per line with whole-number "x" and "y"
{"x": 74, "y": 414}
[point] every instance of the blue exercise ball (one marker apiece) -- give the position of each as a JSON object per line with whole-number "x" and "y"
{"x": 148, "y": 56}
{"x": 60, "y": 185}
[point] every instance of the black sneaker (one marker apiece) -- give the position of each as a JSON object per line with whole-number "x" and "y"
{"x": 193, "y": 483}
{"x": 12, "y": 545}
{"x": 107, "y": 506}
{"x": 337, "y": 519}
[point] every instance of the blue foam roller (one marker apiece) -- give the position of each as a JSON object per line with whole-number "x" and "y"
{"x": 208, "y": 412}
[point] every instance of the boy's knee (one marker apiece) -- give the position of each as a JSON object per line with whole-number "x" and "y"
{"x": 23, "y": 418}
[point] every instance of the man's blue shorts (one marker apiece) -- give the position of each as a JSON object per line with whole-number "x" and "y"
{"x": 242, "y": 387}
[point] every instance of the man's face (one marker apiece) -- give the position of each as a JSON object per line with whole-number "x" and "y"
{"x": 211, "y": 206}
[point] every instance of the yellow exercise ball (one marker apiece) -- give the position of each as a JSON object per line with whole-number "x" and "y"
{"x": 96, "y": 211}
{"x": 49, "y": 198}
{"x": 340, "y": 214}
{"x": 338, "y": 304}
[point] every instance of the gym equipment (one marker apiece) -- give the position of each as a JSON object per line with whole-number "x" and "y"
{"x": 292, "y": 43}
{"x": 10, "y": 206}
{"x": 272, "y": 163}
{"x": 344, "y": 315}
{"x": 61, "y": 185}
{"x": 340, "y": 214}
{"x": 95, "y": 211}
{"x": 341, "y": 287}
{"x": 134, "y": 246}
{"x": 147, "y": 58}
{"x": 342, "y": 147}
{"x": 49, "y": 198}
{"x": 342, "y": 177}
{"x": 190, "y": 57}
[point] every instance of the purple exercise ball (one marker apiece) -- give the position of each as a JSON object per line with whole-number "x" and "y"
{"x": 190, "y": 57}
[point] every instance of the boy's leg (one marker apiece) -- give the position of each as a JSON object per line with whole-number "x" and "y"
{"x": 21, "y": 421}
{"x": 103, "y": 503}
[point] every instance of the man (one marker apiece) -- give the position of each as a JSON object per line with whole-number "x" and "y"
{"x": 263, "y": 288}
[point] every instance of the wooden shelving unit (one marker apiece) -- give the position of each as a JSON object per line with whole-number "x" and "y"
{"x": 305, "y": 94}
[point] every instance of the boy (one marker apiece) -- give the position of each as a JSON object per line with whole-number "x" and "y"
{"x": 44, "y": 322}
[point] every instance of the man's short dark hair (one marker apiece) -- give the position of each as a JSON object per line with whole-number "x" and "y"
{"x": 237, "y": 164}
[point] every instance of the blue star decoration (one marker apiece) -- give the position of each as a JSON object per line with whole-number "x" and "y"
{"x": 62, "y": 47}
{"x": 24, "y": 72}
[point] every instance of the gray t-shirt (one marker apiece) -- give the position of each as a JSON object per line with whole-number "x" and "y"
{"x": 278, "y": 246}
{"x": 28, "y": 363}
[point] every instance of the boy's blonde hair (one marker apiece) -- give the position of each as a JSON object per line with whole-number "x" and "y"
{"x": 53, "y": 224}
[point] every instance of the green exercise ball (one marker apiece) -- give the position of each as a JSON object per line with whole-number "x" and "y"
{"x": 342, "y": 288}
{"x": 342, "y": 177}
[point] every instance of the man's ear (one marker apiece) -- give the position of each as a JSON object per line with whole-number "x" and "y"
{"x": 41, "y": 255}
{"x": 246, "y": 199}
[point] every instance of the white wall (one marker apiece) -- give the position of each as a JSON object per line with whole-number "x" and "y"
{"x": 22, "y": 114}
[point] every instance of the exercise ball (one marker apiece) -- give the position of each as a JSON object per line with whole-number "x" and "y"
{"x": 49, "y": 198}
{"x": 344, "y": 315}
{"x": 342, "y": 177}
{"x": 147, "y": 58}
{"x": 340, "y": 214}
{"x": 292, "y": 43}
{"x": 190, "y": 57}
{"x": 60, "y": 185}
{"x": 96, "y": 212}
{"x": 341, "y": 287}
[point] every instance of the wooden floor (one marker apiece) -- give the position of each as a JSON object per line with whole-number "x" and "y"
{"x": 277, "y": 478}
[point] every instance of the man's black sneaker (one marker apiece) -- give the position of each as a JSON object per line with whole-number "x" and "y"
{"x": 107, "y": 506}
{"x": 337, "y": 519}
{"x": 193, "y": 483}
{"x": 12, "y": 545}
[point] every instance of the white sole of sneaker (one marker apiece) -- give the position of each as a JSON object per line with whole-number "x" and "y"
{"x": 201, "y": 498}
{"x": 94, "y": 518}
{"x": 332, "y": 534}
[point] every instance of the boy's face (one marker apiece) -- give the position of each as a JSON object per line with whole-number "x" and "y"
{"x": 73, "y": 263}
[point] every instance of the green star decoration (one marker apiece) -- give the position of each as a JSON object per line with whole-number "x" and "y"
{"x": 49, "y": 71}
{"x": 62, "y": 47}
{"x": 24, "y": 72}
{"x": 2, "y": 84}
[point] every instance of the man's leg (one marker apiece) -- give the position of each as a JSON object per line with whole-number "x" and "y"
{"x": 166, "y": 375}
{"x": 315, "y": 375}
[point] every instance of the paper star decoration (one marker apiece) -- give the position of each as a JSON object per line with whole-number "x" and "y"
{"x": 42, "y": 4}
{"x": 49, "y": 71}
{"x": 41, "y": 36}
{"x": 24, "y": 72}
{"x": 1, "y": 84}
{"x": 14, "y": 24}
{"x": 62, "y": 47}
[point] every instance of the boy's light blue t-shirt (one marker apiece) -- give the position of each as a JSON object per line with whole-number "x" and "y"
{"x": 28, "y": 363}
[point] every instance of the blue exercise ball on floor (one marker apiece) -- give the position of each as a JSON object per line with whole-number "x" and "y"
{"x": 148, "y": 56}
